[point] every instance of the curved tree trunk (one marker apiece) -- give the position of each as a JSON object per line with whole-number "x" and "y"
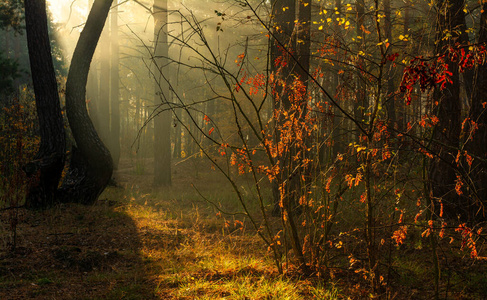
{"x": 49, "y": 161}
{"x": 91, "y": 163}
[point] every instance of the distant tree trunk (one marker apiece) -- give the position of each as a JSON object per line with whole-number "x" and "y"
{"x": 285, "y": 202}
{"x": 210, "y": 112}
{"x": 478, "y": 114}
{"x": 162, "y": 122}
{"x": 400, "y": 107}
{"x": 104, "y": 92}
{"x": 91, "y": 163}
{"x": 338, "y": 121}
{"x": 149, "y": 133}
{"x": 192, "y": 143}
{"x": 177, "y": 135}
{"x": 115, "y": 93}
{"x": 448, "y": 110}
{"x": 283, "y": 16}
{"x": 49, "y": 161}
{"x": 390, "y": 79}
{"x": 6, "y": 44}
{"x": 360, "y": 105}
{"x": 18, "y": 53}
{"x": 304, "y": 40}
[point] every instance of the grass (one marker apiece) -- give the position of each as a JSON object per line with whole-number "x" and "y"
{"x": 138, "y": 242}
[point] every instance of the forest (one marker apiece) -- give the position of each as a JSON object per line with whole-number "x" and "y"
{"x": 243, "y": 149}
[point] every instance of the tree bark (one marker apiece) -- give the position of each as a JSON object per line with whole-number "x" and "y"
{"x": 478, "y": 142}
{"x": 304, "y": 40}
{"x": 49, "y": 161}
{"x": 162, "y": 122}
{"x": 390, "y": 85}
{"x": 92, "y": 88}
{"x": 338, "y": 120}
{"x": 115, "y": 93}
{"x": 91, "y": 163}
{"x": 104, "y": 92}
{"x": 442, "y": 175}
{"x": 283, "y": 16}
{"x": 361, "y": 103}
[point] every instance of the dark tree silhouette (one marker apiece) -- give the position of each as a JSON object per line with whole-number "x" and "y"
{"x": 448, "y": 110}
{"x": 49, "y": 161}
{"x": 478, "y": 142}
{"x": 91, "y": 163}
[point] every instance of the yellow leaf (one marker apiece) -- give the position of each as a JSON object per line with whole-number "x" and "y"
{"x": 320, "y": 28}
{"x": 284, "y": 8}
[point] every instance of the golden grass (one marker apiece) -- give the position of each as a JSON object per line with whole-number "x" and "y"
{"x": 138, "y": 242}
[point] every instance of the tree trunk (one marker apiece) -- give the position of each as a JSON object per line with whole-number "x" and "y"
{"x": 92, "y": 89}
{"x": 49, "y": 161}
{"x": 162, "y": 122}
{"x": 304, "y": 40}
{"x": 338, "y": 119}
{"x": 478, "y": 142}
{"x": 283, "y": 15}
{"x": 115, "y": 93}
{"x": 360, "y": 105}
{"x": 390, "y": 87}
{"x": 91, "y": 163}
{"x": 104, "y": 92}
{"x": 177, "y": 135}
{"x": 92, "y": 97}
{"x": 448, "y": 110}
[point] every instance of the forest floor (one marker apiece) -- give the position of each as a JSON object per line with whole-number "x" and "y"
{"x": 138, "y": 242}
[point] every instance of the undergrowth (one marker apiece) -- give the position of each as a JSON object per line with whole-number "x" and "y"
{"x": 143, "y": 243}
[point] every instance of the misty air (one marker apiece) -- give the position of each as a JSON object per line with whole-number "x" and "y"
{"x": 243, "y": 149}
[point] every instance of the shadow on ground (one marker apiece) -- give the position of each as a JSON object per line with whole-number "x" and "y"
{"x": 73, "y": 252}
